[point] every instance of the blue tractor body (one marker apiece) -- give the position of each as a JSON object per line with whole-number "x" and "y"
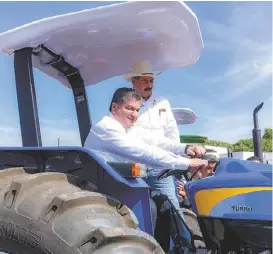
{"x": 235, "y": 202}
{"x": 84, "y": 166}
{"x": 233, "y": 207}
{"x": 236, "y": 183}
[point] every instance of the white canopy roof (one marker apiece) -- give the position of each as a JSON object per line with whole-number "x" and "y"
{"x": 105, "y": 42}
{"x": 184, "y": 115}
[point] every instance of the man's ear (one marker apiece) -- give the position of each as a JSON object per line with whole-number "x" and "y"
{"x": 134, "y": 82}
{"x": 113, "y": 107}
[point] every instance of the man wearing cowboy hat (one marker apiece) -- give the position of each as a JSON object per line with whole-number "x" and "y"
{"x": 155, "y": 113}
{"x": 155, "y": 120}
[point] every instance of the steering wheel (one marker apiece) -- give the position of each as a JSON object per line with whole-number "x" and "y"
{"x": 179, "y": 173}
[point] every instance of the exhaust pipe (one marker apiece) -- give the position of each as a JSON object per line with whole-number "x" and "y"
{"x": 256, "y": 133}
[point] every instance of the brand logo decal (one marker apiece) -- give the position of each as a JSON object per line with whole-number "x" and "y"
{"x": 241, "y": 208}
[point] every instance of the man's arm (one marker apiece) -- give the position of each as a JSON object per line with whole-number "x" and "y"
{"x": 113, "y": 141}
{"x": 165, "y": 144}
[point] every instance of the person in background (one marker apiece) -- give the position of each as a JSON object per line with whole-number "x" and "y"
{"x": 213, "y": 158}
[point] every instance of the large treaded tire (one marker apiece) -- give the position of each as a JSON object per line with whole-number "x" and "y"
{"x": 192, "y": 223}
{"x": 44, "y": 213}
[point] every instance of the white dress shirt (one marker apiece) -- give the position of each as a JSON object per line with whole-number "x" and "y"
{"x": 109, "y": 136}
{"x": 156, "y": 120}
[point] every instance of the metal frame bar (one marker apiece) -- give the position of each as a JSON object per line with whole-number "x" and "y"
{"x": 81, "y": 104}
{"x": 72, "y": 74}
{"x": 26, "y": 97}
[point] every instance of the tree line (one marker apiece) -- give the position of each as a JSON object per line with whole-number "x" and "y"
{"x": 245, "y": 145}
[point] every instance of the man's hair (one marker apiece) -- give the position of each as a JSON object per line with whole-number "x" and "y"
{"x": 254, "y": 158}
{"x": 211, "y": 158}
{"x": 123, "y": 94}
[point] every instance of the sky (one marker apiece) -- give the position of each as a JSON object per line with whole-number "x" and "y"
{"x": 233, "y": 75}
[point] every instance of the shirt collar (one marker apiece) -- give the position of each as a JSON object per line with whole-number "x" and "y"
{"x": 150, "y": 101}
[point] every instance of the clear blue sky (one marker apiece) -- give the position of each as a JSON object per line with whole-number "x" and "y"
{"x": 234, "y": 75}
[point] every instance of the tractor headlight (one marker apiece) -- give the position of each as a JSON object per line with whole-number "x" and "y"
{"x": 129, "y": 170}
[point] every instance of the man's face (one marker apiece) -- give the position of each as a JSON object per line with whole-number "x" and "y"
{"x": 144, "y": 86}
{"x": 205, "y": 171}
{"x": 127, "y": 112}
{"x": 208, "y": 170}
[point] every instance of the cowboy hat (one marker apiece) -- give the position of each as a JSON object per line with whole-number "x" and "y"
{"x": 141, "y": 68}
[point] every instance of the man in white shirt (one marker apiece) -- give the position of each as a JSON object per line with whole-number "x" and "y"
{"x": 155, "y": 114}
{"x": 155, "y": 120}
{"x": 111, "y": 135}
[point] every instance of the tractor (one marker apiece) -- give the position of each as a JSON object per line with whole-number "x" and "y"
{"x": 69, "y": 199}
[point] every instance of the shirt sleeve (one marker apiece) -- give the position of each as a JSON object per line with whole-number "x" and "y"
{"x": 133, "y": 149}
{"x": 171, "y": 128}
{"x": 166, "y": 144}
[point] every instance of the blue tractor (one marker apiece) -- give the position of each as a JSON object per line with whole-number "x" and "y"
{"x": 68, "y": 200}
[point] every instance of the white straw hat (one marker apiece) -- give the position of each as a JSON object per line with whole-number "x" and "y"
{"x": 141, "y": 68}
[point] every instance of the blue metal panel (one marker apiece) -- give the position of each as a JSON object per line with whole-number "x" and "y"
{"x": 258, "y": 206}
{"x": 100, "y": 161}
{"x": 138, "y": 200}
{"x": 232, "y": 173}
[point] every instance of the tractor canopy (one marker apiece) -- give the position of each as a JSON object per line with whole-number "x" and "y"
{"x": 104, "y": 42}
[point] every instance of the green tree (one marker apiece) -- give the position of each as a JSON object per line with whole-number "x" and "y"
{"x": 267, "y": 134}
{"x": 267, "y": 145}
{"x": 246, "y": 145}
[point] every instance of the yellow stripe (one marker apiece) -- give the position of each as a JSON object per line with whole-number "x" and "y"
{"x": 206, "y": 199}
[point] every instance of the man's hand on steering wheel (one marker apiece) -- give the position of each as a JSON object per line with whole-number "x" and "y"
{"x": 196, "y": 164}
{"x": 195, "y": 151}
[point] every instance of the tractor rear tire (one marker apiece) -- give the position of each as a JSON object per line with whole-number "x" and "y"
{"x": 192, "y": 222}
{"x": 45, "y": 214}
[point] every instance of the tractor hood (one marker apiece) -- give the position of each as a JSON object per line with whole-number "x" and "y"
{"x": 105, "y": 42}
